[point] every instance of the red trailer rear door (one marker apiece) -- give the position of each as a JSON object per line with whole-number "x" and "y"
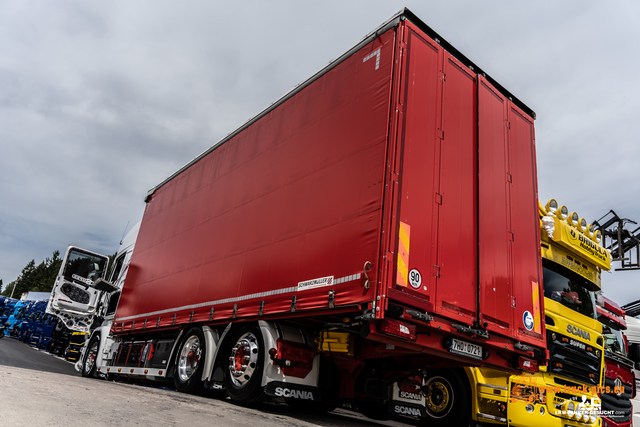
{"x": 511, "y": 297}
{"x": 437, "y": 238}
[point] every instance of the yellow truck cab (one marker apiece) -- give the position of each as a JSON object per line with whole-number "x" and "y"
{"x": 564, "y": 392}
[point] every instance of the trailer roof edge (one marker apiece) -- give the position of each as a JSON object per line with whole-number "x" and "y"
{"x": 404, "y": 14}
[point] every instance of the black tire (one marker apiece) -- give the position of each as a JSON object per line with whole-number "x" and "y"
{"x": 245, "y": 364}
{"x": 449, "y": 401}
{"x": 189, "y": 362}
{"x": 376, "y": 410}
{"x": 90, "y": 357}
{"x": 321, "y": 407}
{"x": 2, "y": 333}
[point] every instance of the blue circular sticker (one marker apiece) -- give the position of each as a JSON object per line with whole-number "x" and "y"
{"x": 527, "y": 319}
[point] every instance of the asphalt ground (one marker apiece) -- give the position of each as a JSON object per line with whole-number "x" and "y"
{"x": 38, "y": 389}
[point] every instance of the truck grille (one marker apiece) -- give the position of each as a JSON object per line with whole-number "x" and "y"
{"x": 75, "y": 294}
{"x": 574, "y": 359}
{"x": 616, "y": 408}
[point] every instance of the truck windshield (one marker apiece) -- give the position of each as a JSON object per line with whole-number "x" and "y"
{"x": 613, "y": 340}
{"x": 83, "y": 267}
{"x": 567, "y": 288}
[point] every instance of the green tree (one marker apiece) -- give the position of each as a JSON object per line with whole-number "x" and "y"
{"x": 36, "y": 278}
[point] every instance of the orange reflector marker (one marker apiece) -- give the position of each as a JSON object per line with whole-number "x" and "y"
{"x": 119, "y": 369}
{"x": 146, "y": 371}
{"x": 98, "y": 368}
{"x": 108, "y": 369}
{"x": 131, "y": 371}
{"x": 535, "y": 294}
{"x": 403, "y": 254}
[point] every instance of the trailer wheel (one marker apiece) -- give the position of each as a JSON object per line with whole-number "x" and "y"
{"x": 246, "y": 362}
{"x": 448, "y": 402}
{"x": 189, "y": 362}
{"x": 90, "y": 357}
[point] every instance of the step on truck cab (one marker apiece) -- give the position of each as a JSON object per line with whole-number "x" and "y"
{"x": 343, "y": 241}
{"x": 619, "y": 383}
{"x": 562, "y": 391}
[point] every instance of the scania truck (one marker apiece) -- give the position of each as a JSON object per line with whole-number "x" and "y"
{"x": 563, "y": 390}
{"x": 374, "y": 226}
{"x": 619, "y": 380}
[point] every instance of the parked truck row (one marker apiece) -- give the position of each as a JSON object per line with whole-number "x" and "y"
{"x": 374, "y": 236}
{"x": 27, "y": 321}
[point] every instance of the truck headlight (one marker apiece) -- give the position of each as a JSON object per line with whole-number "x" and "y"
{"x": 582, "y": 226}
{"x": 564, "y": 212}
{"x": 570, "y": 409}
{"x": 573, "y": 219}
{"x": 579, "y": 411}
{"x": 598, "y": 236}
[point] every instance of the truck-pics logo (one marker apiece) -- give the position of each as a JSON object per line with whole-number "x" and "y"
{"x": 578, "y": 332}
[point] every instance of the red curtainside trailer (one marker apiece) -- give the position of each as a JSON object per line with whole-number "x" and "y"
{"x": 386, "y": 209}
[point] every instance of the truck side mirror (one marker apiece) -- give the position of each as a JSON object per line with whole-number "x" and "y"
{"x": 103, "y": 285}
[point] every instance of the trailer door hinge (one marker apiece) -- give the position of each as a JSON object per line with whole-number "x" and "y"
{"x": 419, "y": 315}
{"x": 435, "y": 271}
{"x": 511, "y": 238}
{"x": 441, "y": 134}
{"x": 509, "y": 177}
{"x": 398, "y": 107}
{"x": 438, "y": 199}
{"x": 513, "y": 301}
{"x": 473, "y": 332}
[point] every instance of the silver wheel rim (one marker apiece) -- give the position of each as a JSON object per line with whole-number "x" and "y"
{"x": 188, "y": 358}
{"x": 244, "y": 359}
{"x": 91, "y": 358}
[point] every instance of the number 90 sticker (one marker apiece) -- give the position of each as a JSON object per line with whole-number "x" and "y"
{"x": 415, "y": 279}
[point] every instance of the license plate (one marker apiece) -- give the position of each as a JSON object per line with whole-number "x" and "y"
{"x": 465, "y": 349}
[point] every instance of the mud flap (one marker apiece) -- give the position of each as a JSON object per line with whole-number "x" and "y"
{"x": 293, "y": 391}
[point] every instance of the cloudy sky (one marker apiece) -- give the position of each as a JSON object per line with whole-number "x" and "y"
{"x": 100, "y": 101}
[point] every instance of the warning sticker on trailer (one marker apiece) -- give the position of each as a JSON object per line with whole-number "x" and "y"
{"x": 315, "y": 283}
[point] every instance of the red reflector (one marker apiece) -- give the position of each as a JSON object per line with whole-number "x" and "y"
{"x": 401, "y": 329}
{"x": 527, "y": 364}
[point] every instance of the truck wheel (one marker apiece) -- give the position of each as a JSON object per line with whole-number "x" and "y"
{"x": 244, "y": 372}
{"x": 189, "y": 363}
{"x": 448, "y": 402}
{"x": 90, "y": 357}
{"x": 375, "y": 410}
